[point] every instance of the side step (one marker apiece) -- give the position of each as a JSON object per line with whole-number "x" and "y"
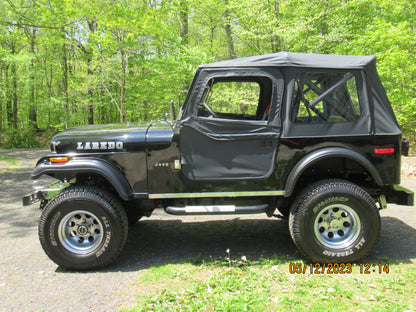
{"x": 216, "y": 210}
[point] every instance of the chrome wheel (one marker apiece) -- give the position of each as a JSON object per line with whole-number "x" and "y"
{"x": 337, "y": 226}
{"x": 80, "y": 232}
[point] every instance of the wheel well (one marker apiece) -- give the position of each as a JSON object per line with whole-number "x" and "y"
{"x": 93, "y": 179}
{"x": 335, "y": 167}
{"x": 133, "y": 207}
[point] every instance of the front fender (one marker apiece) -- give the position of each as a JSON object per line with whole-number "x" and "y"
{"x": 318, "y": 155}
{"x": 75, "y": 166}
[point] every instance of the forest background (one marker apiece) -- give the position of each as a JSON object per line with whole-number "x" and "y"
{"x": 66, "y": 63}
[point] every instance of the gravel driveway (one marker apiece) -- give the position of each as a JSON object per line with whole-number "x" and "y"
{"x": 29, "y": 281}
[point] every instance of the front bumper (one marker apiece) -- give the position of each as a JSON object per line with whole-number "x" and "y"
{"x": 44, "y": 193}
{"x": 32, "y": 198}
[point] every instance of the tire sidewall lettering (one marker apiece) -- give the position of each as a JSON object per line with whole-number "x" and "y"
{"x": 106, "y": 222}
{"x": 360, "y": 244}
{"x": 346, "y": 253}
{"x": 328, "y": 201}
{"x": 107, "y": 239}
{"x": 105, "y": 244}
{"x": 333, "y": 254}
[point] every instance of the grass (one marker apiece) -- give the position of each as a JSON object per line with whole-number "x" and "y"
{"x": 268, "y": 285}
{"x": 7, "y": 163}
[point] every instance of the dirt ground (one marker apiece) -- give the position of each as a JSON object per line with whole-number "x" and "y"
{"x": 409, "y": 167}
{"x": 29, "y": 281}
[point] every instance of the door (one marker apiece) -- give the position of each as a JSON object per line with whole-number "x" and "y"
{"x": 233, "y": 130}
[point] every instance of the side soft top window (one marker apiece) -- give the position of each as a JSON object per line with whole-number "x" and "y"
{"x": 325, "y": 98}
{"x": 244, "y": 98}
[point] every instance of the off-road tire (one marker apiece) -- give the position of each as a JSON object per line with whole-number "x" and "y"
{"x": 83, "y": 228}
{"x": 334, "y": 221}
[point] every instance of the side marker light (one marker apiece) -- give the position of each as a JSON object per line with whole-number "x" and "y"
{"x": 58, "y": 159}
{"x": 384, "y": 151}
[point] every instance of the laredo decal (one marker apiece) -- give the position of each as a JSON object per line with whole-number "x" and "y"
{"x": 99, "y": 146}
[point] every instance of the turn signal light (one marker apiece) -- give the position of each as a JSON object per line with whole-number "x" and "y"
{"x": 384, "y": 151}
{"x": 58, "y": 159}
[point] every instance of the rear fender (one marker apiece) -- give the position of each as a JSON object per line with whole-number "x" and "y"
{"x": 321, "y": 154}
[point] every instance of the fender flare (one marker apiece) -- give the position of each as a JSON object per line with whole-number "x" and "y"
{"x": 85, "y": 165}
{"x": 318, "y": 155}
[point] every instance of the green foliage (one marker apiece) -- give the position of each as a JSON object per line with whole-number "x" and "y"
{"x": 235, "y": 97}
{"x": 70, "y": 63}
{"x": 22, "y": 139}
{"x": 7, "y": 163}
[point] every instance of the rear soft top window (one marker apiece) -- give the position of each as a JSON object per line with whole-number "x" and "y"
{"x": 325, "y": 98}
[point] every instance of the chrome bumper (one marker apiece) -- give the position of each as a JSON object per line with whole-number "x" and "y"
{"x": 47, "y": 192}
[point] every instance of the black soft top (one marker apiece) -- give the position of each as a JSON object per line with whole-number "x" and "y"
{"x": 288, "y": 59}
{"x": 379, "y": 117}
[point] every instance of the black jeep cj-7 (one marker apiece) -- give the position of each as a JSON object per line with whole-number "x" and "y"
{"x": 311, "y": 135}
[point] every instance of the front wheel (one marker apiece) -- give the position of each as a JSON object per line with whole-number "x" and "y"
{"x": 334, "y": 221}
{"x": 83, "y": 228}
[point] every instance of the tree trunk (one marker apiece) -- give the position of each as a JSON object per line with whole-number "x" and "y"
{"x": 211, "y": 39}
{"x": 123, "y": 83}
{"x": 14, "y": 89}
{"x": 228, "y": 32}
{"x": 275, "y": 40}
{"x": 33, "y": 118}
{"x": 65, "y": 79}
{"x": 92, "y": 26}
{"x": 9, "y": 104}
{"x": 1, "y": 102}
{"x": 184, "y": 17}
{"x": 15, "y": 101}
{"x": 90, "y": 107}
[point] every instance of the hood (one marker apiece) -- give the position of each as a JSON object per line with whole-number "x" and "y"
{"x": 111, "y": 138}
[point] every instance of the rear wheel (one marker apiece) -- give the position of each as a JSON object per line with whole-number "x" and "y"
{"x": 83, "y": 228}
{"x": 334, "y": 221}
